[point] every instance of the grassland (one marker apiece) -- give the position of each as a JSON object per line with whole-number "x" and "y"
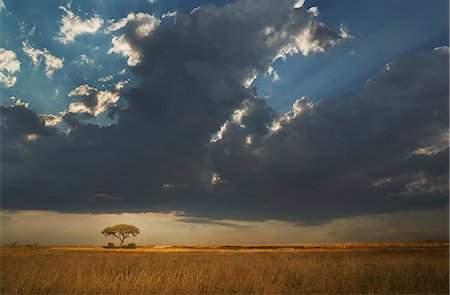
{"x": 381, "y": 268}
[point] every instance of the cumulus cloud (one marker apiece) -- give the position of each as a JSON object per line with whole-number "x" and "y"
{"x": 95, "y": 101}
{"x": 195, "y": 138}
{"x": 52, "y": 63}
{"x": 143, "y": 23}
{"x": 273, "y": 73}
{"x": 72, "y": 26}
{"x": 299, "y": 3}
{"x": 386, "y": 150}
{"x": 15, "y": 101}
{"x": 2, "y": 5}
{"x": 9, "y": 64}
{"x": 444, "y": 50}
{"x": 92, "y": 103}
{"x": 51, "y": 120}
{"x": 140, "y": 25}
{"x": 123, "y": 47}
{"x": 315, "y": 38}
{"x": 314, "y": 10}
{"x": 298, "y": 107}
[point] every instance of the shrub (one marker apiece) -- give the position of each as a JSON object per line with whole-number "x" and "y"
{"x": 129, "y": 246}
{"x": 110, "y": 245}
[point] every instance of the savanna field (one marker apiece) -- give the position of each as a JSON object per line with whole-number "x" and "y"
{"x": 355, "y": 268}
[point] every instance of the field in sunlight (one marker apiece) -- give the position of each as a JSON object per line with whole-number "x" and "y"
{"x": 402, "y": 268}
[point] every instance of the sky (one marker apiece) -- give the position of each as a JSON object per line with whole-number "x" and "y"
{"x": 224, "y": 121}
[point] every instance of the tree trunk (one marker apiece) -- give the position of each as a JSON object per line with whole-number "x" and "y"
{"x": 121, "y": 242}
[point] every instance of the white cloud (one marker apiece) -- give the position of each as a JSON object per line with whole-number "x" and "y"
{"x": 106, "y": 78}
{"x": 152, "y": 1}
{"x": 219, "y": 134}
{"x": 79, "y": 107}
{"x": 123, "y": 47}
{"x": 31, "y": 137}
{"x": 18, "y": 102}
{"x": 344, "y": 34}
{"x": 248, "y": 81}
{"x": 238, "y": 115}
{"x": 83, "y": 59}
{"x": 2, "y": 5}
{"x": 72, "y": 25}
{"x": 314, "y": 10}
{"x": 117, "y": 25}
{"x": 169, "y": 14}
{"x": 276, "y": 77}
{"x": 434, "y": 145}
{"x": 312, "y": 39}
{"x": 441, "y": 50}
{"x": 52, "y": 63}
{"x": 303, "y": 42}
{"x": 426, "y": 185}
{"x": 382, "y": 181}
{"x": 8, "y": 66}
{"x": 249, "y": 139}
{"x": 428, "y": 150}
{"x": 273, "y": 73}
{"x": 97, "y": 102}
{"x": 82, "y": 90}
{"x": 144, "y": 24}
{"x": 51, "y": 120}
{"x": 215, "y": 179}
{"x": 300, "y": 105}
{"x": 299, "y": 3}
{"x": 195, "y": 9}
{"x": 121, "y": 84}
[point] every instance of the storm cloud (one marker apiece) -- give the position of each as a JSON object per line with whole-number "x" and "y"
{"x": 196, "y": 139}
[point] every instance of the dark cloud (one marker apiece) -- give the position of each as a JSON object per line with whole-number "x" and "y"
{"x": 327, "y": 158}
{"x": 195, "y": 138}
{"x": 197, "y": 220}
{"x": 103, "y": 198}
{"x": 20, "y": 127}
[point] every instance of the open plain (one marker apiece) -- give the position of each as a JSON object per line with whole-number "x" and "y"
{"x": 348, "y": 268}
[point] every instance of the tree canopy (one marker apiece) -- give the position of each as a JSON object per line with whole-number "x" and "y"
{"x": 121, "y": 232}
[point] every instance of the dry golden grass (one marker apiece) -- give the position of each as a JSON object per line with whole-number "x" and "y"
{"x": 294, "y": 269}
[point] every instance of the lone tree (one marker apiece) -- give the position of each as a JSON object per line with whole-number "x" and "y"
{"x": 121, "y": 232}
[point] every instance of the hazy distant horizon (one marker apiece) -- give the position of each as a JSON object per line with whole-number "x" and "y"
{"x": 62, "y": 229}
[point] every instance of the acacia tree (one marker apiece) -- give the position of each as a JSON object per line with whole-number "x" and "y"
{"x": 121, "y": 232}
